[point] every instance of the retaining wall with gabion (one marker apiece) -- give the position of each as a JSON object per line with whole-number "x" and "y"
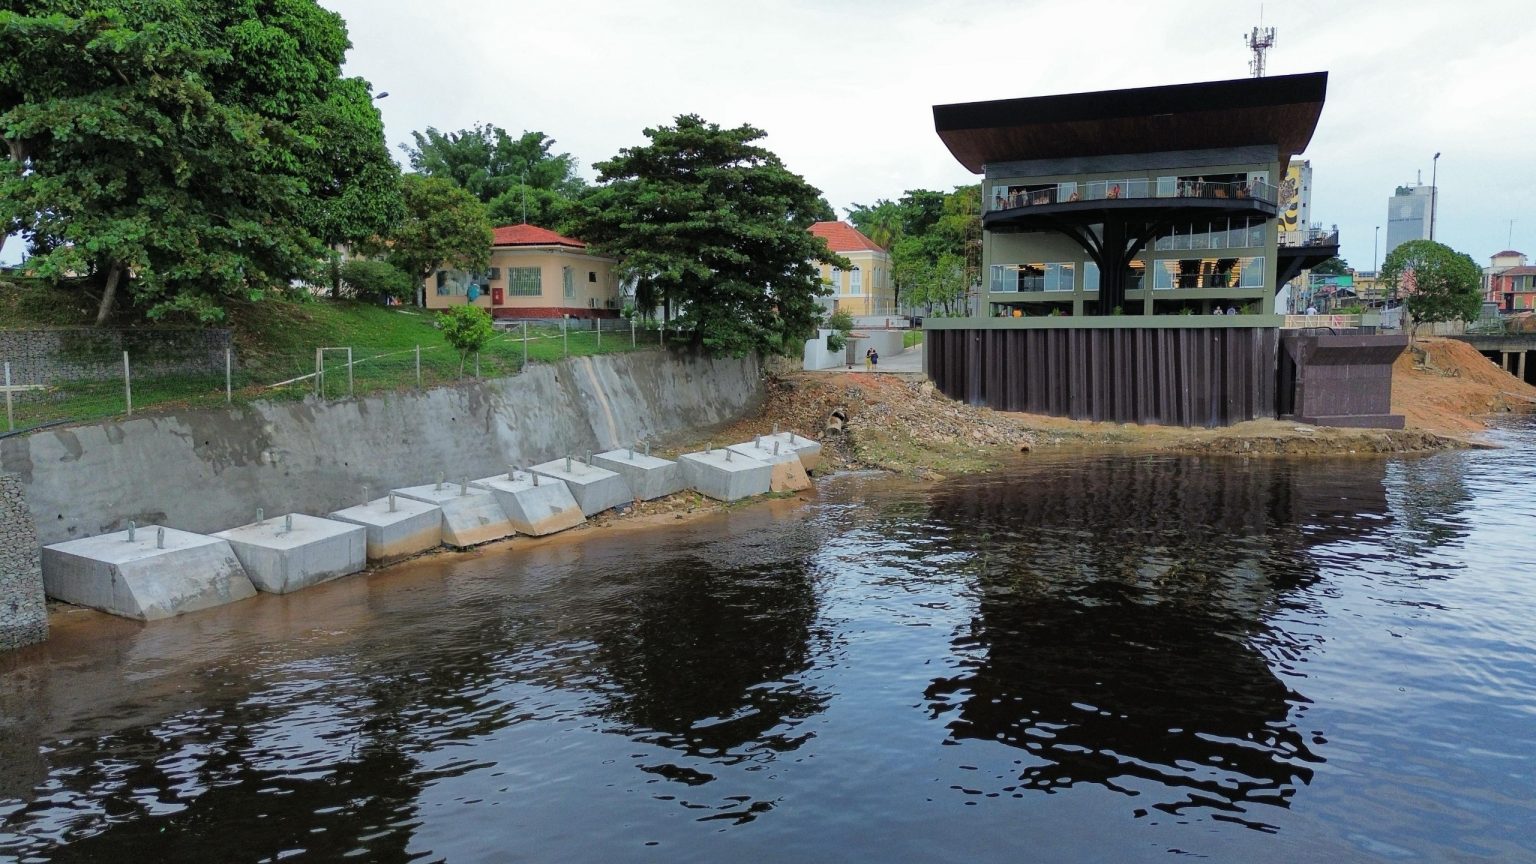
{"x": 23, "y": 611}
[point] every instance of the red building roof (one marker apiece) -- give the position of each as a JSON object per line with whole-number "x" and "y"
{"x": 1519, "y": 271}
{"x": 1509, "y": 253}
{"x": 531, "y": 235}
{"x": 842, "y": 237}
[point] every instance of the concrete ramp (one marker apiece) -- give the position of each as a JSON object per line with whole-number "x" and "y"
{"x": 294, "y": 552}
{"x": 535, "y": 505}
{"x": 148, "y": 577}
{"x": 471, "y": 515}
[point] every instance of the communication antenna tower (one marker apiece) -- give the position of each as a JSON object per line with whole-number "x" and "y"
{"x": 1259, "y": 42}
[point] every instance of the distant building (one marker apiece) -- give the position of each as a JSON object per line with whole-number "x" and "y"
{"x": 1295, "y": 203}
{"x": 1408, "y": 213}
{"x": 534, "y": 273}
{"x": 864, "y": 289}
{"x": 1509, "y": 283}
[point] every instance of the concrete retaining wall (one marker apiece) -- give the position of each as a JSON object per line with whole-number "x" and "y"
{"x": 23, "y": 615}
{"x": 209, "y": 470}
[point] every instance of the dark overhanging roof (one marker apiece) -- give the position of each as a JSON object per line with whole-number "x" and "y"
{"x": 1280, "y": 111}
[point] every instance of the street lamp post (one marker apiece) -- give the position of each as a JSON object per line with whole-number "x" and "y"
{"x": 1434, "y": 193}
{"x": 1375, "y": 245}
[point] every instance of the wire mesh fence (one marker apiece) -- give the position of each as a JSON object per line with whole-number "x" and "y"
{"x": 37, "y": 398}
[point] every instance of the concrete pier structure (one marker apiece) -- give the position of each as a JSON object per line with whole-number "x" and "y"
{"x": 296, "y": 551}
{"x": 397, "y": 527}
{"x": 808, "y": 450}
{"x": 536, "y": 506}
{"x": 788, "y": 472}
{"x": 648, "y": 477}
{"x": 23, "y": 607}
{"x": 725, "y": 476}
{"x": 471, "y": 515}
{"x": 595, "y": 489}
{"x": 151, "y": 576}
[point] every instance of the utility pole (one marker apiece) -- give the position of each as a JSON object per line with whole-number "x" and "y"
{"x": 1375, "y": 245}
{"x": 1434, "y": 194}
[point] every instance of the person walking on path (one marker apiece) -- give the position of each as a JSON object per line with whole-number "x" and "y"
{"x": 874, "y": 360}
{"x": 869, "y": 362}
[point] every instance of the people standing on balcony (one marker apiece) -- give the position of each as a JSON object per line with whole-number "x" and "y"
{"x": 1114, "y": 191}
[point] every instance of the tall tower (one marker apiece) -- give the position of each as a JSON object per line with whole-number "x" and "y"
{"x": 1259, "y": 42}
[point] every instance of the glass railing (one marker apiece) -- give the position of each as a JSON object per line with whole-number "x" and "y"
{"x": 1309, "y": 237}
{"x": 1017, "y": 197}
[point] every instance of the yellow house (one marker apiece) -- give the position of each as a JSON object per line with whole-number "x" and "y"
{"x": 534, "y": 273}
{"x": 865, "y": 289}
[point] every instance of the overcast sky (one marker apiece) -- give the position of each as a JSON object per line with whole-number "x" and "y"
{"x": 845, "y": 88}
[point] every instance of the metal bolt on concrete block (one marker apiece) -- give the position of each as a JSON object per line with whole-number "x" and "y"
{"x": 463, "y": 487}
{"x": 261, "y": 516}
{"x": 391, "y": 502}
{"x": 567, "y": 463}
{"x": 288, "y": 524}
{"x": 132, "y": 527}
{"x": 159, "y": 538}
{"x": 439, "y": 486}
{"x": 775, "y": 448}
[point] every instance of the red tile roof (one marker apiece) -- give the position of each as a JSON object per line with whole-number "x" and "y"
{"x": 1508, "y": 253}
{"x": 1519, "y": 271}
{"x": 531, "y": 235}
{"x": 842, "y": 237}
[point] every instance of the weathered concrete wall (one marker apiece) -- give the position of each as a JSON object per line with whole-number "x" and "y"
{"x": 23, "y": 615}
{"x": 209, "y": 470}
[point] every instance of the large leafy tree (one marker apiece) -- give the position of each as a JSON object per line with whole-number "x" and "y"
{"x": 713, "y": 227}
{"x": 444, "y": 227}
{"x": 1437, "y": 282}
{"x": 514, "y": 176}
{"x": 191, "y": 149}
{"x": 933, "y": 238}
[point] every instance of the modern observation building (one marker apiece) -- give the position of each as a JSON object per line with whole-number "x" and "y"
{"x": 1131, "y": 252}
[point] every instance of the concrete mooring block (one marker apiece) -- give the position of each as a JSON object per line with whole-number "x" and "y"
{"x": 296, "y": 551}
{"x": 648, "y": 477}
{"x": 149, "y": 577}
{"x": 808, "y": 450}
{"x": 471, "y": 515}
{"x": 595, "y": 489}
{"x": 788, "y": 471}
{"x": 397, "y": 527}
{"x": 535, "y": 506}
{"x": 725, "y": 476}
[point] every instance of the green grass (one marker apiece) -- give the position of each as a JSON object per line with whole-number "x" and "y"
{"x": 275, "y": 342}
{"x": 911, "y": 337}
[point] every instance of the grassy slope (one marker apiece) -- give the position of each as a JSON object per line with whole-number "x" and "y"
{"x": 275, "y": 340}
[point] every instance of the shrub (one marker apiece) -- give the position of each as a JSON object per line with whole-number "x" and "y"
{"x": 467, "y": 329}
{"x": 362, "y": 277}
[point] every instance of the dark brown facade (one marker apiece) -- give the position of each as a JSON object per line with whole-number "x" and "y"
{"x": 1339, "y": 380}
{"x": 1196, "y": 376}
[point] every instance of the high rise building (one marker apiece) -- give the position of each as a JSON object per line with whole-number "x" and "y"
{"x": 1408, "y": 215}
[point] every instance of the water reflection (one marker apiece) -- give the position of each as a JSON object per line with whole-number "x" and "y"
{"x": 1122, "y": 631}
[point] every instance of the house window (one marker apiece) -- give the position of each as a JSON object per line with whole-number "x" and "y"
{"x": 837, "y": 279}
{"x": 1253, "y": 273}
{"x": 856, "y": 281}
{"x": 1090, "y": 276}
{"x": 524, "y": 281}
{"x": 568, "y": 278}
{"x": 442, "y": 284}
{"x": 592, "y": 276}
{"x": 1033, "y": 277}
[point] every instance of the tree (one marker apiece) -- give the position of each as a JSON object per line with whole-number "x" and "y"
{"x": 444, "y": 227}
{"x": 920, "y": 230}
{"x": 191, "y": 149}
{"x": 714, "y": 227}
{"x": 365, "y": 277}
{"x": 514, "y": 177}
{"x": 1436, "y": 282}
{"x": 1334, "y": 266}
{"x": 468, "y": 329}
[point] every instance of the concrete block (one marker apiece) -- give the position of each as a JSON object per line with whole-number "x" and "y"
{"x": 809, "y": 451}
{"x": 471, "y": 515}
{"x": 725, "y": 476}
{"x": 788, "y": 472}
{"x": 595, "y": 489}
{"x": 534, "y": 509}
{"x": 648, "y": 477}
{"x": 316, "y": 550}
{"x": 138, "y": 579}
{"x": 411, "y": 527}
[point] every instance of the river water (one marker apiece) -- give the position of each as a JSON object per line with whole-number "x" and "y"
{"x": 1123, "y": 658}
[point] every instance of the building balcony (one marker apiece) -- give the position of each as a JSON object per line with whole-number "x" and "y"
{"x": 1090, "y": 201}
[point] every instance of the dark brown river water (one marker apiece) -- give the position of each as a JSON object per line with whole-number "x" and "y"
{"x": 1078, "y": 660}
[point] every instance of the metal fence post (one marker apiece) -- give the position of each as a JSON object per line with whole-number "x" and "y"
{"x": 599, "y": 335}
{"x": 418, "y": 367}
{"x": 477, "y": 364}
{"x": 631, "y": 331}
{"x": 319, "y": 373}
{"x": 10, "y": 417}
{"x": 349, "y": 373}
{"x": 565, "y": 335}
{"x": 525, "y": 344}
{"x": 229, "y": 379}
{"x": 127, "y": 384}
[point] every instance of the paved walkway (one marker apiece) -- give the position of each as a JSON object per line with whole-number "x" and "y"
{"x": 909, "y": 361}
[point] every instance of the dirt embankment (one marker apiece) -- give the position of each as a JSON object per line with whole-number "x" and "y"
{"x": 902, "y": 423}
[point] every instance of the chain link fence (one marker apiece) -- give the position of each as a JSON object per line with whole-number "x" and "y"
{"x": 40, "y": 394}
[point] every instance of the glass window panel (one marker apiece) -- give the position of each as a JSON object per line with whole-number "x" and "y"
{"x": 856, "y": 281}
{"x": 1162, "y": 274}
{"x": 1090, "y": 276}
{"x": 1167, "y": 187}
{"x": 1253, "y": 273}
{"x": 1096, "y": 189}
{"x": 1181, "y": 240}
{"x": 524, "y": 281}
{"x": 1065, "y": 191}
{"x": 1137, "y": 188}
{"x": 568, "y": 279}
{"x": 1200, "y": 240}
{"x": 1256, "y": 234}
{"x": 998, "y": 271}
